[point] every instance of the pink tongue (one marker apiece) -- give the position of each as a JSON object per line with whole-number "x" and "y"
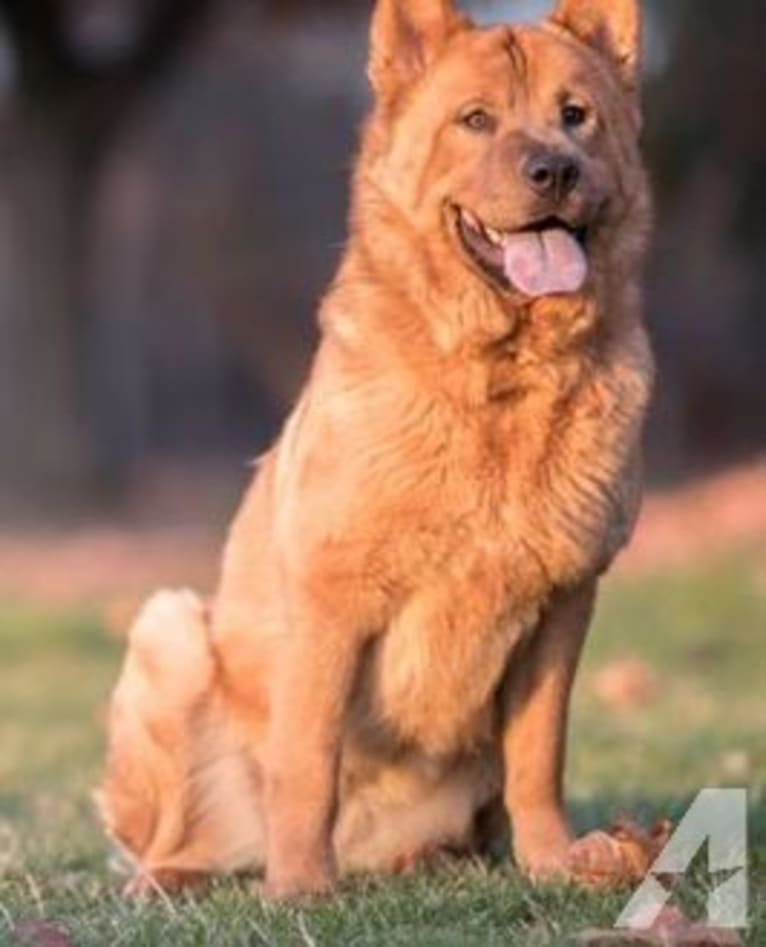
{"x": 541, "y": 264}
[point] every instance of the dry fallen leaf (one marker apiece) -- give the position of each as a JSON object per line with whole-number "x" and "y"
{"x": 736, "y": 764}
{"x": 671, "y": 929}
{"x": 617, "y": 858}
{"x": 40, "y": 934}
{"x": 627, "y": 684}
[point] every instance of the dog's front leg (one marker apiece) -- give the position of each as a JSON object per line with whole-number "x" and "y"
{"x": 309, "y": 697}
{"x": 535, "y": 731}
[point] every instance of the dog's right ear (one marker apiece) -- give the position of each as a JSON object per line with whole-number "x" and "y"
{"x": 406, "y": 36}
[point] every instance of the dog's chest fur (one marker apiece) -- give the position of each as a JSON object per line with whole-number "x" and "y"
{"x": 535, "y": 497}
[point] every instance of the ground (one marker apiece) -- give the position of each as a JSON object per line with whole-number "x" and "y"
{"x": 671, "y": 700}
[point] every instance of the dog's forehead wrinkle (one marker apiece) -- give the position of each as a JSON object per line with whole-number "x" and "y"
{"x": 517, "y": 56}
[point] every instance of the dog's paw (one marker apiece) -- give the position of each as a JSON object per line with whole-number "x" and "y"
{"x": 163, "y": 884}
{"x": 547, "y": 867}
{"x": 422, "y": 859}
{"x": 295, "y": 889}
{"x": 541, "y": 847}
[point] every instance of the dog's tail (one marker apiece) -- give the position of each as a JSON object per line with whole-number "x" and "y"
{"x": 177, "y": 796}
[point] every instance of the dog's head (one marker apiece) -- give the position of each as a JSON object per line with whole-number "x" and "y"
{"x": 514, "y": 149}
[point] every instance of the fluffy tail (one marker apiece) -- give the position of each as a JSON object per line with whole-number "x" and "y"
{"x": 177, "y": 797}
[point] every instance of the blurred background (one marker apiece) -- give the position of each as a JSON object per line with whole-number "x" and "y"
{"x": 173, "y": 179}
{"x": 172, "y": 199}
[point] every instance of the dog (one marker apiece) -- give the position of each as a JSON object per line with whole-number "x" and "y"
{"x": 385, "y": 670}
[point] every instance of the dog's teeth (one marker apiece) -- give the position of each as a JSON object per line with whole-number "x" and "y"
{"x": 494, "y": 235}
{"x": 471, "y": 220}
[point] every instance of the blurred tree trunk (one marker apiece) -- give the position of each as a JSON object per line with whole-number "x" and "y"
{"x": 43, "y": 425}
{"x": 708, "y": 150}
{"x": 37, "y": 424}
{"x": 58, "y": 133}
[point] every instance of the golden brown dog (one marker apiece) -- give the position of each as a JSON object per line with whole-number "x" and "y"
{"x": 407, "y": 587}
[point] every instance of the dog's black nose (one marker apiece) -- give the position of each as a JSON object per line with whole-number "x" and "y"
{"x": 551, "y": 174}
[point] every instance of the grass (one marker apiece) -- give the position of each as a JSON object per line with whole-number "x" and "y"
{"x": 701, "y": 630}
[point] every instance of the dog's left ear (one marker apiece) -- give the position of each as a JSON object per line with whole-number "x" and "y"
{"x": 406, "y": 36}
{"x": 614, "y": 27}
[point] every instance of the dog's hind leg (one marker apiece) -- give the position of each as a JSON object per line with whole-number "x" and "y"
{"x": 178, "y": 796}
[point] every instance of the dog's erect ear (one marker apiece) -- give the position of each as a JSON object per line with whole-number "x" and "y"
{"x": 406, "y": 36}
{"x": 614, "y": 27}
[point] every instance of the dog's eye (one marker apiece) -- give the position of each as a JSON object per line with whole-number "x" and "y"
{"x": 478, "y": 120}
{"x": 573, "y": 116}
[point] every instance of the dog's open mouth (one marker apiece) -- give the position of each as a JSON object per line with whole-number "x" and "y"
{"x": 545, "y": 258}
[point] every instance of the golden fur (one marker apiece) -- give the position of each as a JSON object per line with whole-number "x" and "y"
{"x": 407, "y": 587}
